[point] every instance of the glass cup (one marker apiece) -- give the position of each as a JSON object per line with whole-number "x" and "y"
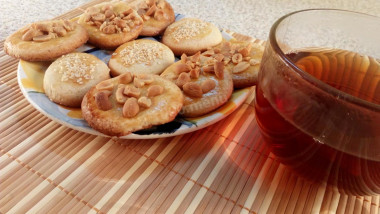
{"x": 318, "y": 98}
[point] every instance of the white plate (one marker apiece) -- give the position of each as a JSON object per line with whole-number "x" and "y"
{"x": 30, "y": 79}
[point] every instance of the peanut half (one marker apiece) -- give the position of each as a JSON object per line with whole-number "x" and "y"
{"x": 131, "y": 108}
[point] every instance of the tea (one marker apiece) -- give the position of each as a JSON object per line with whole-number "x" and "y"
{"x": 329, "y": 158}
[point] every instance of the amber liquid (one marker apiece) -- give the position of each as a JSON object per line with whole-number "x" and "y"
{"x": 351, "y": 73}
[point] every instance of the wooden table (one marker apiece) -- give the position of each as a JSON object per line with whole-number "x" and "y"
{"x": 226, "y": 167}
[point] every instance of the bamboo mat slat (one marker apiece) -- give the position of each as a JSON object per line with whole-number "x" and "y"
{"x": 224, "y": 168}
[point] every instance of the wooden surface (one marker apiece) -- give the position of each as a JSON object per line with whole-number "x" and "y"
{"x": 46, "y": 167}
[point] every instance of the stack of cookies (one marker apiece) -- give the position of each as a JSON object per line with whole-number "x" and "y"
{"x": 142, "y": 85}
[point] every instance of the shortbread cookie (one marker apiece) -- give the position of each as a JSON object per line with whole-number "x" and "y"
{"x": 111, "y": 24}
{"x": 157, "y": 15}
{"x": 131, "y": 102}
{"x": 204, "y": 81}
{"x": 68, "y": 79}
{"x": 45, "y": 40}
{"x": 141, "y": 56}
{"x": 242, "y": 59}
{"x": 190, "y": 35}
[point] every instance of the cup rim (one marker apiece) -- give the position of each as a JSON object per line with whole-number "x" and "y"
{"x": 310, "y": 78}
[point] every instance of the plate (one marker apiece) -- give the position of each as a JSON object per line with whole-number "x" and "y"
{"x": 30, "y": 79}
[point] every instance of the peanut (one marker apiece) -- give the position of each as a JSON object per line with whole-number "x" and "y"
{"x": 242, "y": 66}
{"x": 131, "y": 91}
{"x": 60, "y": 31}
{"x": 102, "y": 101}
{"x": 43, "y": 38}
{"x": 120, "y": 98}
{"x": 183, "y": 78}
{"x": 98, "y": 17}
{"x": 244, "y": 51}
{"x": 192, "y": 89}
{"x": 236, "y": 58}
{"x": 194, "y": 73}
{"x": 131, "y": 108}
{"x": 108, "y": 13}
{"x": 110, "y": 29}
{"x": 126, "y": 78}
{"x": 105, "y": 85}
{"x": 219, "y": 70}
{"x": 155, "y": 90}
{"x": 144, "y": 102}
{"x": 28, "y": 35}
{"x": 208, "y": 85}
{"x": 151, "y": 10}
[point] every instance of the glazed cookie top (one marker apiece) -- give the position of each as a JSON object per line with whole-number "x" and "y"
{"x": 141, "y": 56}
{"x": 190, "y": 35}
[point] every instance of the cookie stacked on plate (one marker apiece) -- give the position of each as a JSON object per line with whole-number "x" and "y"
{"x": 142, "y": 85}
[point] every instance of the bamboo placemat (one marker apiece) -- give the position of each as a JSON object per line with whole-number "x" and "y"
{"x": 46, "y": 167}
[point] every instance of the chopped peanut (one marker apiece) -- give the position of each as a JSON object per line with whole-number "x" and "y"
{"x": 132, "y": 91}
{"x": 194, "y": 73}
{"x": 219, "y": 70}
{"x": 144, "y": 102}
{"x": 119, "y": 95}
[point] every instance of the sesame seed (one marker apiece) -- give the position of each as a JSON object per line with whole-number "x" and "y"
{"x": 73, "y": 68}
{"x": 139, "y": 53}
{"x": 188, "y": 29}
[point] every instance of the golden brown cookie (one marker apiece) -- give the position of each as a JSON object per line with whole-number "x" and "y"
{"x": 129, "y": 102}
{"x": 45, "y": 40}
{"x": 157, "y": 15}
{"x": 190, "y": 35}
{"x": 204, "y": 81}
{"x": 141, "y": 56}
{"x": 242, "y": 59}
{"x": 68, "y": 78}
{"x": 111, "y": 24}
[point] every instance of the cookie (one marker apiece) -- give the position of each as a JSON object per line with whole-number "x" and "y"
{"x": 157, "y": 15}
{"x": 190, "y": 35}
{"x": 204, "y": 81}
{"x": 111, "y": 24}
{"x": 131, "y": 102}
{"x": 68, "y": 78}
{"x": 45, "y": 40}
{"x": 141, "y": 56}
{"x": 242, "y": 59}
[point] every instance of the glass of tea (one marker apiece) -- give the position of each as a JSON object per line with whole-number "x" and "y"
{"x": 318, "y": 97}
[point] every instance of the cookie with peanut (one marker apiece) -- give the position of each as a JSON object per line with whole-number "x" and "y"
{"x": 157, "y": 15}
{"x": 241, "y": 58}
{"x": 45, "y": 40}
{"x": 131, "y": 102}
{"x": 204, "y": 81}
{"x": 111, "y": 24}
